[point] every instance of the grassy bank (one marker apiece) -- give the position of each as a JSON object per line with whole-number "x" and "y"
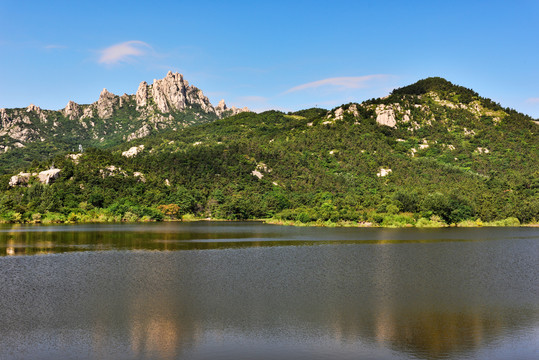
{"x": 72, "y": 217}
{"x": 419, "y": 223}
{"x": 371, "y": 219}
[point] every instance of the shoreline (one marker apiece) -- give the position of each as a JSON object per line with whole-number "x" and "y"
{"x": 273, "y": 221}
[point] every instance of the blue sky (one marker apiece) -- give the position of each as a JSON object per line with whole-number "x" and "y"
{"x": 286, "y": 55}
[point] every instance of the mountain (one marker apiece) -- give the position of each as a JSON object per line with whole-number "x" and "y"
{"x": 169, "y": 103}
{"x": 428, "y": 154}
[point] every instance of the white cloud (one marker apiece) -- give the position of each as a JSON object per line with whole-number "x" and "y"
{"x": 533, "y": 100}
{"x": 341, "y": 83}
{"x": 123, "y": 52}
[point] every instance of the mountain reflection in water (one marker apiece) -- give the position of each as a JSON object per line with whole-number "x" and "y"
{"x": 268, "y": 292}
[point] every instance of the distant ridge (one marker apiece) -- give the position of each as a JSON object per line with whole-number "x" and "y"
{"x": 166, "y": 104}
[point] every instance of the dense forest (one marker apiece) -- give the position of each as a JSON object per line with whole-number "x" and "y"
{"x": 429, "y": 154}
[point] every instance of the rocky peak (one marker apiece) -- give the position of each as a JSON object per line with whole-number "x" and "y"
{"x": 124, "y": 99}
{"x": 141, "y": 96}
{"x": 173, "y": 93}
{"x": 196, "y": 96}
{"x": 221, "y": 105}
{"x": 34, "y": 108}
{"x": 4, "y": 118}
{"x": 234, "y": 110}
{"x": 221, "y": 108}
{"x": 72, "y": 110}
{"x": 37, "y": 110}
{"x": 106, "y": 94}
{"x": 105, "y": 104}
{"x": 169, "y": 93}
{"x": 157, "y": 105}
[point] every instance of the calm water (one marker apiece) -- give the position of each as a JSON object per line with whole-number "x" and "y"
{"x": 253, "y": 291}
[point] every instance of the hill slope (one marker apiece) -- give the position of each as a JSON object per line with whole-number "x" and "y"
{"x": 429, "y": 153}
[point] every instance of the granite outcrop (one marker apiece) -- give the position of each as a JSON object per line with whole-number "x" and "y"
{"x": 168, "y": 103}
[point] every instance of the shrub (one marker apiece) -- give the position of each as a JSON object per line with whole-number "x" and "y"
{"x": 53, "y": 218}
{"x": 171, "y": 210}
{"x": 434, "y": 221}
{"x": 392, "y": 209}
{"x": 130, "y": 217}
{"x": 511, "y": 221}
{"x": 303, "y": 217}
{"x": 36, "y": 218}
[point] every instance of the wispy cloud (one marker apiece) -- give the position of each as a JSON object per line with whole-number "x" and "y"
{"x": 124, "y": 52}
{"x": 533, "y": 100}
{"x": 341, "y": 83}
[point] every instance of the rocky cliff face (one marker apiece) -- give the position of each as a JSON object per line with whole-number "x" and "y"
{"x": 168, "y": 95}
{"x": 72, "y": 110}
{"x": 105, "y": 104}
{"x": 168, "y": 103}
{"x": 173, "y": 93}
{"x": 141, "y": 97}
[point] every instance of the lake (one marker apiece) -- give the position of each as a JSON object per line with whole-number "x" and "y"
{"x": 229, "y": 290}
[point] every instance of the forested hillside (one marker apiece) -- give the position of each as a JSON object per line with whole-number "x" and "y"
{"x": 429, "y": 154}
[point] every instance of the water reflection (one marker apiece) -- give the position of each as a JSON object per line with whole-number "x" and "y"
{"x": 38, "y": 239}
{"x": 387, "y": 295}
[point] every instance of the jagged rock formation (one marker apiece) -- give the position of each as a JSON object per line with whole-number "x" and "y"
{"x": 141, "y": 97}
{"x": 221, "y": 107}
{"x": 32, "y": 107}
{"x": 173, "y": 93}
{"x": 72, "y": 110}
{"x": 4, "y": 118}
{"x": 168, "y": 103}
{"x": 15, "y": 124}
{"x": 105, "y": 104}
{"x": 222, "y": 110}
